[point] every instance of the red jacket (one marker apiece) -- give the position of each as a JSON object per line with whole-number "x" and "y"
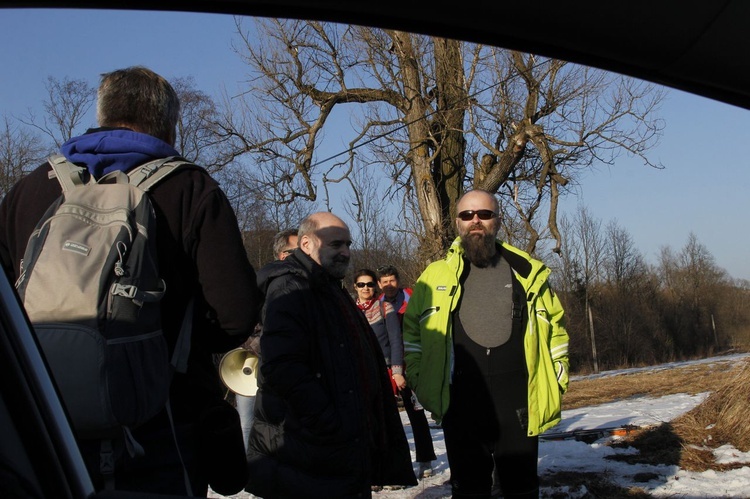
{"x": 402, "y": 309}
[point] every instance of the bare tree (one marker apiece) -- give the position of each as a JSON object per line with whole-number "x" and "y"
{"x": 682, "y": 307}
{"x": 699, "y": 270}
{"x": 734, "y": 313}
{"x": 381, "y": 236}
{"x": 437, "y": 115}
{"x": 586, "y": 247}
{"x": 623, "y": 263}
{"x": 584, "y": 262}
{"x": 67, "y": 105}
{"x": 20, "y": 151}
{"x": 199, "y": 137}
{"x": 630, "y": 332}
{"x": 364, "y": 205}
{"x": 693, "y": 282}
{"x": 258, "y": 217}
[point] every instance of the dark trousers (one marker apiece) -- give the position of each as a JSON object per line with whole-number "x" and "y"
{"x": 419, "y": 427}
{"x": 480, "y": 436}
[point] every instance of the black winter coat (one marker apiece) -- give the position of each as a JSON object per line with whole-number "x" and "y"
{"x": 325, "y": 422}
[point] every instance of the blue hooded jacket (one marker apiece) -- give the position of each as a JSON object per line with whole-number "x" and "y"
{"x": 103, "y": 150}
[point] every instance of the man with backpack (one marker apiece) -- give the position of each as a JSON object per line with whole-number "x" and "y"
{"x": 206, "y": 286}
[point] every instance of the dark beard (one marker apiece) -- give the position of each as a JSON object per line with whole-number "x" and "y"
{"x": 338, "y": 267}
{"x": 480, "y": 250}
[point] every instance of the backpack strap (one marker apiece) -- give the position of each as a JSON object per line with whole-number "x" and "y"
{"x": 68, "y": 174}
{"x": 148, "y": 174}
{"x": 182, "y": 346}
{"x": 179, "y": 364}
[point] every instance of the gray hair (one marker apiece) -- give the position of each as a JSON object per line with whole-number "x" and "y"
{"x": 140, "y": 99}
{"x": 308, "y": 226}
{"x": 281, "y": 239}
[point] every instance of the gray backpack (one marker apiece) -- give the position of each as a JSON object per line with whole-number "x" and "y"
{"x": 90, "y": 284}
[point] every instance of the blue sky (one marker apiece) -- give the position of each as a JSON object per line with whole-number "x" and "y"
{"x": 704, "y": 188}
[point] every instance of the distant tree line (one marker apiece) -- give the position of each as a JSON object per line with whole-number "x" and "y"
{"x": 625, "y": 312}
{"x": 621, "y": 311}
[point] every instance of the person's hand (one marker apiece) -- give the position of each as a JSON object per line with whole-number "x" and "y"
{"x": 400, "y": 381}
{"x": 252, "y": 345}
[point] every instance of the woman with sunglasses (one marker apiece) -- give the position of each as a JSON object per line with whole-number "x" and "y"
{"x": 385, "y": 324}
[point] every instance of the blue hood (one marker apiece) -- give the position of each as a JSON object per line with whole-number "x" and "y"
{"x": 103, "y": 150}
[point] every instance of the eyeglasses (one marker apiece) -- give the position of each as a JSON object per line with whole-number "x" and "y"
{"x": 288, "y": 251}
{"x": 468, "y": 215}
{"x": 369, "y": 284}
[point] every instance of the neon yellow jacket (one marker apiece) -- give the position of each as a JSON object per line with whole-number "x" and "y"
{"x": 428, "y": 336}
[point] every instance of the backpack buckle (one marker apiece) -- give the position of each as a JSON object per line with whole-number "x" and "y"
{"x": 517, "y": 312}
{"x": 124, "y": 290}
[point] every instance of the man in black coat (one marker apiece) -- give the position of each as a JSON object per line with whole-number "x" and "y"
{"x": 201, "y": 257}
{"x": 323, "y": 426}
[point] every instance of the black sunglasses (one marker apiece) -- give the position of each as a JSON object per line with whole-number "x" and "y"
{"x": 369, "y": 284}
{"x": 468, "y": 215}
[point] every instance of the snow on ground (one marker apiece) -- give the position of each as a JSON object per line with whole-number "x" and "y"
{"x": 558, "y": 454}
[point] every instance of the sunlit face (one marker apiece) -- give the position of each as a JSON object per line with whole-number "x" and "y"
{"x": 478, "y": 235}
{"x": 389, "y": 284}
{"x": 476, "y": 227}
{"x": 291, "y": 245}
{"x": 329, "y": 247}
{"x": 365, "y": 287}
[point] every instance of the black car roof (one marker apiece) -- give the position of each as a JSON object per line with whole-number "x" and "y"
{"x": 697, "y": 46}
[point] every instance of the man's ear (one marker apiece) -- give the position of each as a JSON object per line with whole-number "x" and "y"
{"x": 306, "y": 244}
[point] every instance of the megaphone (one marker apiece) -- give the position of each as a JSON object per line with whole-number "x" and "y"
{"x": 239, "y": 371}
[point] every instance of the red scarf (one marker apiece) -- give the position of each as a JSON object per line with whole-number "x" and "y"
{"x": 366, "y": 305}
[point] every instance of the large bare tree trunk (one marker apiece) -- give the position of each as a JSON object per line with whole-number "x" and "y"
{"x": 423, "y": 106}
{"x": 419, "y": 157}
{"x": 449, "y": 171}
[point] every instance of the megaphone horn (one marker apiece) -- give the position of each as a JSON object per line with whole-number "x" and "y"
{"x": 239, "y": 371}
{"x": 247, "y": 366}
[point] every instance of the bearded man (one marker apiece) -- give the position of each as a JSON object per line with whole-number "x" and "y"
{"x": 487, "y": 353}
{"x": 326, "y": 423}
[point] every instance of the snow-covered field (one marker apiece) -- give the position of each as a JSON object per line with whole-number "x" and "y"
{"x": 557, "y": 454}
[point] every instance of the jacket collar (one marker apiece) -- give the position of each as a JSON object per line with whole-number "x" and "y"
{"x": 296, "y": 263}
{"x": 531, "y": 272}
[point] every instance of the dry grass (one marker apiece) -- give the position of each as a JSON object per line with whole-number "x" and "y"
{"x": 687, "y": 441}
{"x": 721, "y": 419}
{"x": 691, "y": 379}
